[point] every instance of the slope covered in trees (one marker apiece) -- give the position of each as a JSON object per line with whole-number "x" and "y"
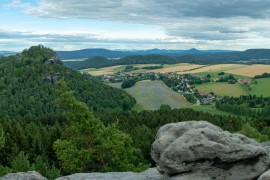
{"x": 27, "y": 82}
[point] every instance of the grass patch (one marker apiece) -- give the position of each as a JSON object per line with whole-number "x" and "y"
{"x": 261, "y": 88}
{"x": 150, "y": 95}
{"x": 223, "y": 89}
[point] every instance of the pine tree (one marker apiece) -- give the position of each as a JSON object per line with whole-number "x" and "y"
{"x": 87, "y": 145}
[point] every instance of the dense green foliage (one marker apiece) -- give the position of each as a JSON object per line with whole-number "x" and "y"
{"x": 89, "y": 146}
{"x": 23, "y": 90}
{"x": 264, "y": 75}
{"x": 251, "y": 105}
{"x": 128, "y": 83}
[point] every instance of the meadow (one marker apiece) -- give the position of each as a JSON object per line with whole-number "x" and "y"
{"x": 150, "y": 95}
{"x": 262, "y": 87}
{"x": 223, "y": 89}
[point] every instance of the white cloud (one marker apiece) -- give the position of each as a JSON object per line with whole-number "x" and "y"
{"x": 198, "y": 23}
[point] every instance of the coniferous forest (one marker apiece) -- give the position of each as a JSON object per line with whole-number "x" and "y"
{"x": 57, "y": 121}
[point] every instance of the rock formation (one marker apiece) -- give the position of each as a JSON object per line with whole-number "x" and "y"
{"x": 150, "y": 174}
{"x": 31, "y": 175}
{"x": 52, "y": 79}
{"x": 54, "y": 60}
{"x": 198, "y": 147}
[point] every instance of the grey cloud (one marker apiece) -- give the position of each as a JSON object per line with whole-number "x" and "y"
{"x": 135, "y": 10}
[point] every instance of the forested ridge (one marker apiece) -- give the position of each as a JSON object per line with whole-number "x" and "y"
{"x": 25, "y": 89}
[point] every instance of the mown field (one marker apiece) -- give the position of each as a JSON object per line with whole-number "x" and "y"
{"x": 239, "y": 70}
{"x": 223, "y": 89}
{"x": 261, "y": 88}
{"x": 150, "y": 95}
{"x": 251, "y": 70}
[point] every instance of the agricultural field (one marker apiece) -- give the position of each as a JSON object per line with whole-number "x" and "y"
{"x": 114, "y": 69}
{"x": 150, "y": 95}
{"x": 261, "y": 88}
{"x": 180, "y": 68}
{"x": 223, "y": 89}
{"x": 251, "y": 70}
{"x": 215, "y": 68}
{"x": 101, "y": 71}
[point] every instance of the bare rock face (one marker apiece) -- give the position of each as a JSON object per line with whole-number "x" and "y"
{"x": 265, "y": 176}
{"x": 197, "y": 147}
{"x": 54, "y": 60}
{"x": 52, "y": 79}
{"x": 150, "y": 174}
{"x": 30, "y": 175}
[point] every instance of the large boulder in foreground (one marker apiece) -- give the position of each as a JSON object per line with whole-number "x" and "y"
{"x": 198, "y": 147}
{"x": 30, "y": 175}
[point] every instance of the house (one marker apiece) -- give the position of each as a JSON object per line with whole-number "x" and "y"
{"x": 245, "y": 80}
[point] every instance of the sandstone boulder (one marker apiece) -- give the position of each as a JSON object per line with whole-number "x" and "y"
{"x": 198, "y": 147}
{"x": 150, "y": 174}
{"x": 30, "y": 175}
{"x": 265, "y": 176}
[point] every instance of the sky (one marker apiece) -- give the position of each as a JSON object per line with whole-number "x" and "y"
{"x": 135, "y": 24}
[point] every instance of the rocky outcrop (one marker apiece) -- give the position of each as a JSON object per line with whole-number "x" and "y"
{"x": 150, "y": 174}
{"x": 31, "y": 175}
{"x": 54, "y": 60}
{"x": 52, "y": 79}
{"x": 198, "y": 147}
{"x": 265, "y": 176}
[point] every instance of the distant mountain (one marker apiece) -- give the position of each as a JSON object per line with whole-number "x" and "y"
{"x": 88, "y": 53}
{"x": 7, "y": 53}
{"x": 251, "y": 56}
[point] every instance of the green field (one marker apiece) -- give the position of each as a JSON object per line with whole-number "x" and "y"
{"x": 150, "y": 95}
{"x": 223, "y": 89}
{"x": 215, "y": 75}
{"x": 261, "y": 88}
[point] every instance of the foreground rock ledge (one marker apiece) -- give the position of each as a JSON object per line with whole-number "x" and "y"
{"x": 200, "y": 147}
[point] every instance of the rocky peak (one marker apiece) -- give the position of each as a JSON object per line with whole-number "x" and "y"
{"x": 54, "y": 60}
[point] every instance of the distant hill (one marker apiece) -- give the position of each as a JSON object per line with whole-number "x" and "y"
{"x": 251, "y": 56}
{"x": 27, "y": 85}
{"x": 7, "y": 53}
{"x": 87, "y": 53}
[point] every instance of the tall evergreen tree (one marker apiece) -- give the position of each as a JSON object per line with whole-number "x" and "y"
{"x": 87, "y": 144}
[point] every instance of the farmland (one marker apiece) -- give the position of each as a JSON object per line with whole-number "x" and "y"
{"x": 181, "y": 68}
{"x": 239, "y": 70}
{"x": 223, "y": 89}
{"x": 215, "y": 68}
{"x": 261, "y": 88}
{"x": 151, "y": 94}
{"x": 251, "y": 70}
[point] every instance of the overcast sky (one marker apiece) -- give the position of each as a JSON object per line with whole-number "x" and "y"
{"x": 135, "y": 24}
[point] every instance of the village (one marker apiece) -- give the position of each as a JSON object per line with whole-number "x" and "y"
{"x": 183, "y": 84}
